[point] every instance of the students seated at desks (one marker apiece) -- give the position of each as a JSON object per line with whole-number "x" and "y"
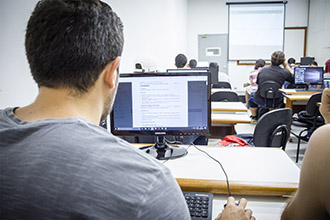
{"x": 312, "y": 200}
{"x": 253, "y": 87}
{"x": 274, "y": 73}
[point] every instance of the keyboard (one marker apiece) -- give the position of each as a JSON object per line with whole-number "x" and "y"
{"x": 199, "y": 204}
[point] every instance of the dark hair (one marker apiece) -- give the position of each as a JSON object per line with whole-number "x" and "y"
{"x": 192, "y": 63}
{"x": 291, "y": 61}
{"x": 259, "y": 63}
{"x": 180, "y": 60}
{"x": 69, "y": 42}
{"x": 277, "y": 58}
{"x": 138, "y": 66}
{"x": 314, "y": 63}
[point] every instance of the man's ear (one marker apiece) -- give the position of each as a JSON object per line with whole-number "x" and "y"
{"x": 110, "y": 75}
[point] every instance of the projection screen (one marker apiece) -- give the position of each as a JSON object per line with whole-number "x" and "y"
{"x": 255, "y": 30}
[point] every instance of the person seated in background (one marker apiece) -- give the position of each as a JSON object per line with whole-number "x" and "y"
{"x": 138, "y": 68}
{"x": 313, "y": 64}
{"x": 222, "y": 77}
{"x": 253, "y": 87}
{"x": 192, "y": 63}
{"x": 312, "y": 200}
{"x": 327, "y": 66}
{"x": 181, "y": 61}
{"x": 292, "y": 64}
{"x": 270, "y": 73}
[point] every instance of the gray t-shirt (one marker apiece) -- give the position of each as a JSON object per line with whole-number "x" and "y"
{"x": 73, "y": 169}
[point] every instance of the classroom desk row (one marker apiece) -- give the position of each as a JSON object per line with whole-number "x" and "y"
{"x": 296, "y": 100}
{"x": 225, "y": 115}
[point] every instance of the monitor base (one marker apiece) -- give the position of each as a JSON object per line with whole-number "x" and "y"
{"x": 163, "y": 151}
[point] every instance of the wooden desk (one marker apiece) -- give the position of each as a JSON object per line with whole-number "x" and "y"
{"x": 295, "y": 92}
{"x": 263, "y": 207}
{"x": 296, "y": 97}
{"x": 219, "y": 119}
{"x": 251, "y": 171}
{"x": 228, "y": 107}
{"x": 223, "y": 123}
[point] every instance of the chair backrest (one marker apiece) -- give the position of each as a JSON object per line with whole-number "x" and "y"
{"x": 273, "y": 129}
{"x": 225, "y": 96}
{"x": 311, "y": 106}
{"x": 269, "y": 90}
{"x": 222, "y": 84}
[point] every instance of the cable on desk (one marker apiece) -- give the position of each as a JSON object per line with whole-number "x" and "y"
{"x": 229, "y": 192}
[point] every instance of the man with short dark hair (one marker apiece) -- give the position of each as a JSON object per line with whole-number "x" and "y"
{"x": 274, "y": 73}
{"x": 56, "y": 162}
{"x": 192, "y": 63}
{"x": 181, "y": 61}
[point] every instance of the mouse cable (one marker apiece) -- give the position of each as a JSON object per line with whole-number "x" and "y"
{"x": 229, "y": 192}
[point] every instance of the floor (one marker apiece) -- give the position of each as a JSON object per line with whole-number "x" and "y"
{"x": 291, "y": 147}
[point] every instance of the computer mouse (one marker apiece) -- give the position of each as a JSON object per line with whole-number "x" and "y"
{"x": 224, "y": 206}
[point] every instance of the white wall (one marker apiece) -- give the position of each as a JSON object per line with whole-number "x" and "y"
{"x": 211, "y": 17}
{"x": 17, "y": 87}
{"x": 318, "y": 39}
{"x": 154, "y": 29}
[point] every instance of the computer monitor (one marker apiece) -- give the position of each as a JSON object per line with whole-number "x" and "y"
{"x": 197, "y": 69}
{"x": 306, "y": 60}
{"x": 161, "y": 104}
{"x": 326, "y": 83}
{"x": 308, "y": 76}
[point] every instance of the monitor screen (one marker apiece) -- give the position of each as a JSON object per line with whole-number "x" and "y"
{"x": 326, "y": 83}
{"x": 159, "y": 104}
{"x": 308, "y": 75}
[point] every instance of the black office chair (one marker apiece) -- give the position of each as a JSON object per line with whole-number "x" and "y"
{"x": 273, "y": 129}
{"x": 310, "y": 119}
{"x": 225, "y": 96}
{"x": 269, "y": 91}
{"x": 221, "y": 84}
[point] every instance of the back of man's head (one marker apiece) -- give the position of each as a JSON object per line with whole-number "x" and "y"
{"x": 259, "y": 64}
{"x": 192, "y": 63}
{"x": 291, "y": 61}
{"x": 69, "y": 42}
{"x": 180, "y": 60}
{"x": 277, "y": 58}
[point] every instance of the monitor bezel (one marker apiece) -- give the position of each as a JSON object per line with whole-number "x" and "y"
{"x": 185, "y": 132}
{"x": 308, "y": 83}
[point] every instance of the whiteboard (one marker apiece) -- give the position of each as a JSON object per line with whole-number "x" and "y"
{"x": 255, "y": 30}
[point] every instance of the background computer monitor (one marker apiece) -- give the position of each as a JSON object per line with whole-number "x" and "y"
{"x": 161, "y": 104}
{"x": 306, "y": 60}
{"x": 197, "y": 69}
{"x": 308, "y": 75}
{"x": 326, "y": 83}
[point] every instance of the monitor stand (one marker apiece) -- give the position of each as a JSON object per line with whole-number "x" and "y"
{"x": 163, "y": 151}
